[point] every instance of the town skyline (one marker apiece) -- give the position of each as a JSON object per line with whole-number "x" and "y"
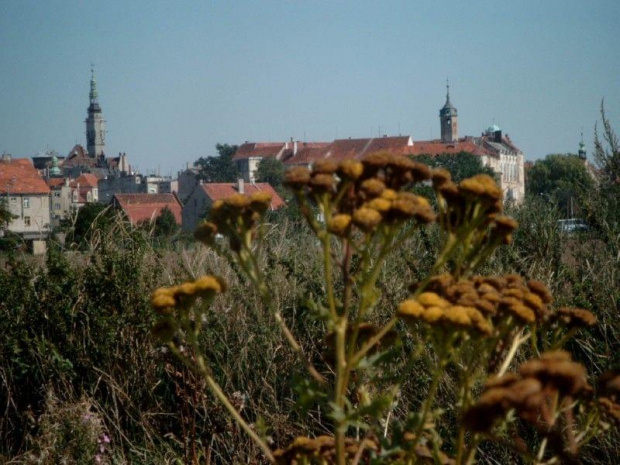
{"x": 336, "y": 72}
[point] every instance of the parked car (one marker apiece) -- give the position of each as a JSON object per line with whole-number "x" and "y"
{"x": 573, "y": 225}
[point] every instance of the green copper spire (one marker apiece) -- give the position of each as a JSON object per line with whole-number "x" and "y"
{"x": 55, "y": 169}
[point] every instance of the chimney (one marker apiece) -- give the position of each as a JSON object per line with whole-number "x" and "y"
{"x": 240, "y": 187}
{"x": 295, "y": 148}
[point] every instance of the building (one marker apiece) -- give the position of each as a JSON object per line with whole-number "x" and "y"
{"x": 27, "y": 197}
{"x": 93, "y": 159}
{"x": 203, "y": 196}
{"x": 135, "y": 184}
{"x": 187, "y": 181}
{"x": 249, "y": 154}
{"x": 68, "y": 196}
{"x": 141, "y": 208}
{"x": 495, "y": 149}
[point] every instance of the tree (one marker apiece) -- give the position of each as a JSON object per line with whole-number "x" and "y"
{"x": 165, "y": 224}
{"x": 5, "y": 214}
{"x": 220, "y": 168}
{"x": 270, "y": 170}
{"x": 607, "y": 157}
{"x": 562, "y": 179}
{"x": 461, "y": 165}
{"x": 92, "y": 216}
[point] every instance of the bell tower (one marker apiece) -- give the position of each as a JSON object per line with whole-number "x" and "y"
{"x": 449, "y": 119}
{"x": 95, "y": 124}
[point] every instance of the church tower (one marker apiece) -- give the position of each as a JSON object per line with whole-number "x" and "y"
{"x": 95, "y": 124}
{"x": 582, "y": 149}
{"x": 449, "y": 120}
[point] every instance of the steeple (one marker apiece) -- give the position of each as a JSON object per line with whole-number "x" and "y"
{"x": 448, "y": 118}
{"x": 582, "y": 148}
{"x": 95, "y": 124}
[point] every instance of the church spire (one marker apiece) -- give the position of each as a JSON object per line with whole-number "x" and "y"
{"x": 93, "y": 86}
{"x": 447, "y": 91}
{"x": 448, "y": 117}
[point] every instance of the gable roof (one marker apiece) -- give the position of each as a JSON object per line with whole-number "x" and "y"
{"x": 147, "y": 207}
{"x": 220, "y": 190}
{"x": 259, "y": 149}
{"x": 85, "y": 180}
{"x": 19, "y": 176}
{"x": 438, "y": 147}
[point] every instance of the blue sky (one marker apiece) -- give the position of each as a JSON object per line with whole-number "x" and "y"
{"x": 175, "y": 78}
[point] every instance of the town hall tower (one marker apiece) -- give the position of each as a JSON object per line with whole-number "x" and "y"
{"x": 448, "y": 118}
{"x": 95, "y": 124}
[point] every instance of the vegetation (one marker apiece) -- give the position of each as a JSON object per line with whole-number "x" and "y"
{"x": 461, "y": 165}
{"x": 82, "y": 380}
{"x": 271, "y": 170}
{"x": 220, "y": 168}
{"x": 562, "y": 180}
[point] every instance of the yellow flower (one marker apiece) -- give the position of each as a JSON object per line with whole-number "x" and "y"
{"x": 389, "y": 194}
{"x": 339, "y": 225}
{"x": 163, "y": 298}
{"x": 432, "y": 314}
{"x": 410, "y": 309}
{"x": 324, "y": 167}
{"x": 366, "y": 218}
{"x": 209, "y": 284}
{"x": 430, "y": 299}
{"x": 379, "y": 204}
{"x": 297, "y": 177}
{"x": 206, "y": 232}
{"x": 351, "y": 169}
{"x": 440, "y": 176}
{"x": 372, "y": 187}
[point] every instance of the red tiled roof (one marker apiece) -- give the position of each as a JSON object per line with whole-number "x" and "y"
{"x": 19, "y": 176}
{"x": 259, "y": 149}
{"x": 147, "y": 207}
{"x": 437, "y": 147}
{"x": 86, "y": 180}
{"x": 217, "y": 191}
{"x": 55, "y": 182}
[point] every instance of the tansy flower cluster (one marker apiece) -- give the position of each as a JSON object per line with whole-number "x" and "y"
{"x": 364, "y": 194}
{"x": 181, "y": 298}
{"x": 468, "y": 209}
{"x": 608, "y": 389}
{"x": 536, "y": 393}
{"x": 234, "y": 217}
{"x": 479, "y": 303}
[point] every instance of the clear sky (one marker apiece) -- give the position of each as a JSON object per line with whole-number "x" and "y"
{"x": 175, "y": 78}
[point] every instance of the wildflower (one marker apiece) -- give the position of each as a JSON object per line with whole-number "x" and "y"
{"x": 324, "y": 167}
{"x": 558, "y": 370}
{"x": 440, "y": 176}
{"x": 421, "y": 172}
{"x": 339, "y": 225}
{"x": 432, "y": 314}
{"x": 350, "y": 169}
{"x": 575, "y": 317}
{"x": 379, "y": 204}
{"x": 205, "y": 232}
{"x": 410, "y": 309}
{"x": 430, "y": 299}
{"x": 541, "y": 290}
{"x": 297, "y": 177}
{"x": 321, "y": 182}
{"x": 609, "y": 385}
{"x": 209, "y": 285}
{"x": 376, "y": 161}
{"x": 372, "y": 187}
{"x": 366, "y": 218}
{"x": 389, "y": 194}
{"x": 163, "y": 299}
{"x": 260, "y": 201}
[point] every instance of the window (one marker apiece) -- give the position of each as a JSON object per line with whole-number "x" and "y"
{"x": 57, "y": 206}
{"x": 26, "y": 202}
{"x": 56, "y": 194}
{"x": 27, "y": 220}
{"x": 14, "y": 200}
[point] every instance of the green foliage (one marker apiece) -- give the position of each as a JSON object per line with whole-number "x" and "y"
{"x": 561, "y": 179}
{"x": 270, "y": 170}
{"x": 165, "y": 224}
{"x": 461, "y": 165}
{"x": 5, "y": 215}
{"x": 607, "y": 150}
{"x": 91, "y": 218}
{"x": 220, "y": 168}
